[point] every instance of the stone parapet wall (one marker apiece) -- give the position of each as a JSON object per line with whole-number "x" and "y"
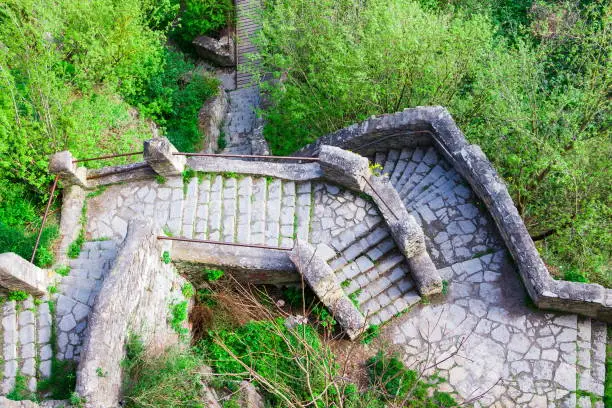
{"x": 18, "y": 274}
{"x": 434, "y": 125}
{"x": 134, "y": 299}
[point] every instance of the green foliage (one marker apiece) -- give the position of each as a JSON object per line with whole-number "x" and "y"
{"x": 173, "y": 379}
{"x": 353, "y": 298}
{"x": 203, "y": 17}
{"x": 98, "y": 191}
{"x": 60, "y": 385}
{"x": 160, "y": 179}
{"x": 187, "y": 290}
{"x": 397, "y": 383}
{"x": 212, "y": 275}
{"x": 178, "y": 315}
{"x": 52, "y": 289}
{"x": 324, "y": 318}
{"x": 528, "y": 82}
{"x": 63, "y": 270}
{"x": 221, "y": 141}
{"x": 17, "y": 295}
{"x": 15, "y": 239}
{"x": 76, "y": 400}
{"x": 166, "y": 257}
{"x": 205, "y": 297}
{"x": 271, "y": 350}
{"x": 445, "y": 285}
{"x": 20, "y": 391}
{"x": 173, "y": 96}
{"x": 608, "y": 383}
{"x": 574, "y": 275}
{"x": 372, "y": 332}
{"x": 100, "y": 372}
{"x": 74, "y": 249}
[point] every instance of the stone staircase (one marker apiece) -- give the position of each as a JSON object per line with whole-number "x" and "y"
{"x": 445, "y": 206}
{"x": 247, "y": 210}
{"x": 590, "y": 362}
{"x": 25, "y": 336}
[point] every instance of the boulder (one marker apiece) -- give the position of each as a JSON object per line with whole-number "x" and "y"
{"x": 221, "y": 52}
{"x": 211, "y": 118}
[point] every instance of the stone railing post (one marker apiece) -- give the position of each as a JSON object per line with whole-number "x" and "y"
{"x": 18, "y": 274}
{"x": 321, "y": 279}
{"x": 62, "y": 164}
{"x": 158, "y": 153}
{"x": 343, "y": 167}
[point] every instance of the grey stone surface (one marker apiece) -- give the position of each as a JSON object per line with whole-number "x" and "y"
{"x": 135, "y": 298}
{"x": 62, "y": 164}
{"x": 220, "y": 52}
{"x": 343, "y": 167}
{"x": 210, "y": 120}
{"x": 18, "y": 274}
{"x": 159, "y": 154}
{"x": 321, "y": 279}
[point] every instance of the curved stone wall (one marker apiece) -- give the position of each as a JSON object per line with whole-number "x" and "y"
{"x": 424, "y": 126}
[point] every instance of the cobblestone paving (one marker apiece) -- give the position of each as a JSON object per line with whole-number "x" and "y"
{"x": 77, "y": 295}
{"x": 241, "y": 120}
{"x": 25, "y": 338}
{"x": 348, "y": 230}
{"x": 483, "y": 334}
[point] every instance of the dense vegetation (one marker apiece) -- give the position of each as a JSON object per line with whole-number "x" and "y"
{"x": 70, "y": 76}
{"x": 529, "y": 81}
{"x": 291, "y": 366}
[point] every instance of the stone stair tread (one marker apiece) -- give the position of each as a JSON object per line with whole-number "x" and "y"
{"x": 362, "y": 245}
{"x": 392, "y": 156}
{"x": 229, "y": 209}
{"x": 273, "y": 212}
{"x": 434, "y": 174}
{"x": 258, "y": 211}
{"x": 404, "y": 159}
{"x": 245, "y": 191}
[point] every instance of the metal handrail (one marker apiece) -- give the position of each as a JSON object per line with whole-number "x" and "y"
{"x": 110, "y": 156}
{"x": 247, "y": 156}
{"x": 51, "y": 197}
{"x": 206, "y": 241}
{"x": 380, "y": 198}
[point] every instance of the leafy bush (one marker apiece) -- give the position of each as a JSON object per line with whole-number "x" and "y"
{"x": 178, "y": 312}
{"x": 173, "y": 379}
{"x": 62, "y": 381}
{"x": 533, "y": 94}
{"x": 203, "y": 17}
{"x": 17, "y": 295}
{"x": 173, "y": 96}
{"x": 213, "y": 275}
{"x": 20, "y": 390}
{"x": 372, "y": 332}
{"x": 398, "y": 383}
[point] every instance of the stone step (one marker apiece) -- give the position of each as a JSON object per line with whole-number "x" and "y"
{"x": 258, "y": 211}
{"x": 215, "y": 209}
{"x": 287, "y": 215}
{"x": 303, "y": 210}
{"x": 380, "y": 158}
{"x": 229, "y": 209}
{"x": 424, "y": 167}
{"x": 404, "y": 159}
{"x": 273, "y": 212}
{"x": 189, "y": 208}
{"x": 361, "y": 246}
{"x": 245, "y": 204}
{"x": 374, "y": 280}
{"x": 392, "y": 158}
{"x": 26, "y": 348}
{"x": 436, "y": 173}
{"x": 442, "y": 186}
{"x": 395, "y": 307}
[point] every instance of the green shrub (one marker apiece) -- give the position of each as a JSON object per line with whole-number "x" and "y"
{"x": 17, "y": 295}
{"x": 63, "y": 270}
{"x": 542, "y": 94}
{"x": 15, "y": 239}
{"x": 173, "y": 379}
{"x": 372, "y": 332}
{"x": 178, "y": 315}
{"x": 20, "y": 391}
{"x": 187, "y": 290}
{"x": 212, "y": 275}
{"x": 608, "y": 383}
{"x": 173, "y": 96}
{"x": 203, "y": 17}
{"x": 166, "y": 257}
{"x": 62, "y": 381}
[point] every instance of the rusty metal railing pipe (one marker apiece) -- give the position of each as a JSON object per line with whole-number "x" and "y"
{"x": 205, "y": 241}
{"x": 110, "y": 156}
{"x": 44, "y": 220}
{"x": 247, "y": 156}
{"x": 379, "y": 197}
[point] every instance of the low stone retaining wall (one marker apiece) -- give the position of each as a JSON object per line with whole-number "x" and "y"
{"x": 434, "y": 125}
{"x": 285, "y": 171}
{"x": 134, "y": 298}
{"x": 322, "y": 280}
{"x": 352, "y": 171}
{"x": 18, "y": 274}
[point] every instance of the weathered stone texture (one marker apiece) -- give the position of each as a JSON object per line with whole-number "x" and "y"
{"x": 343, "y": 167}
{"x": 134, "y": 298}
{"x": 62, "y": 164}
{"x": 159, "y": 154}
{"x": 321, "y": 279}
{"x": 210, "y": 119}
{"x": 220, "y": 52}
{"x": 18, "y": 274}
